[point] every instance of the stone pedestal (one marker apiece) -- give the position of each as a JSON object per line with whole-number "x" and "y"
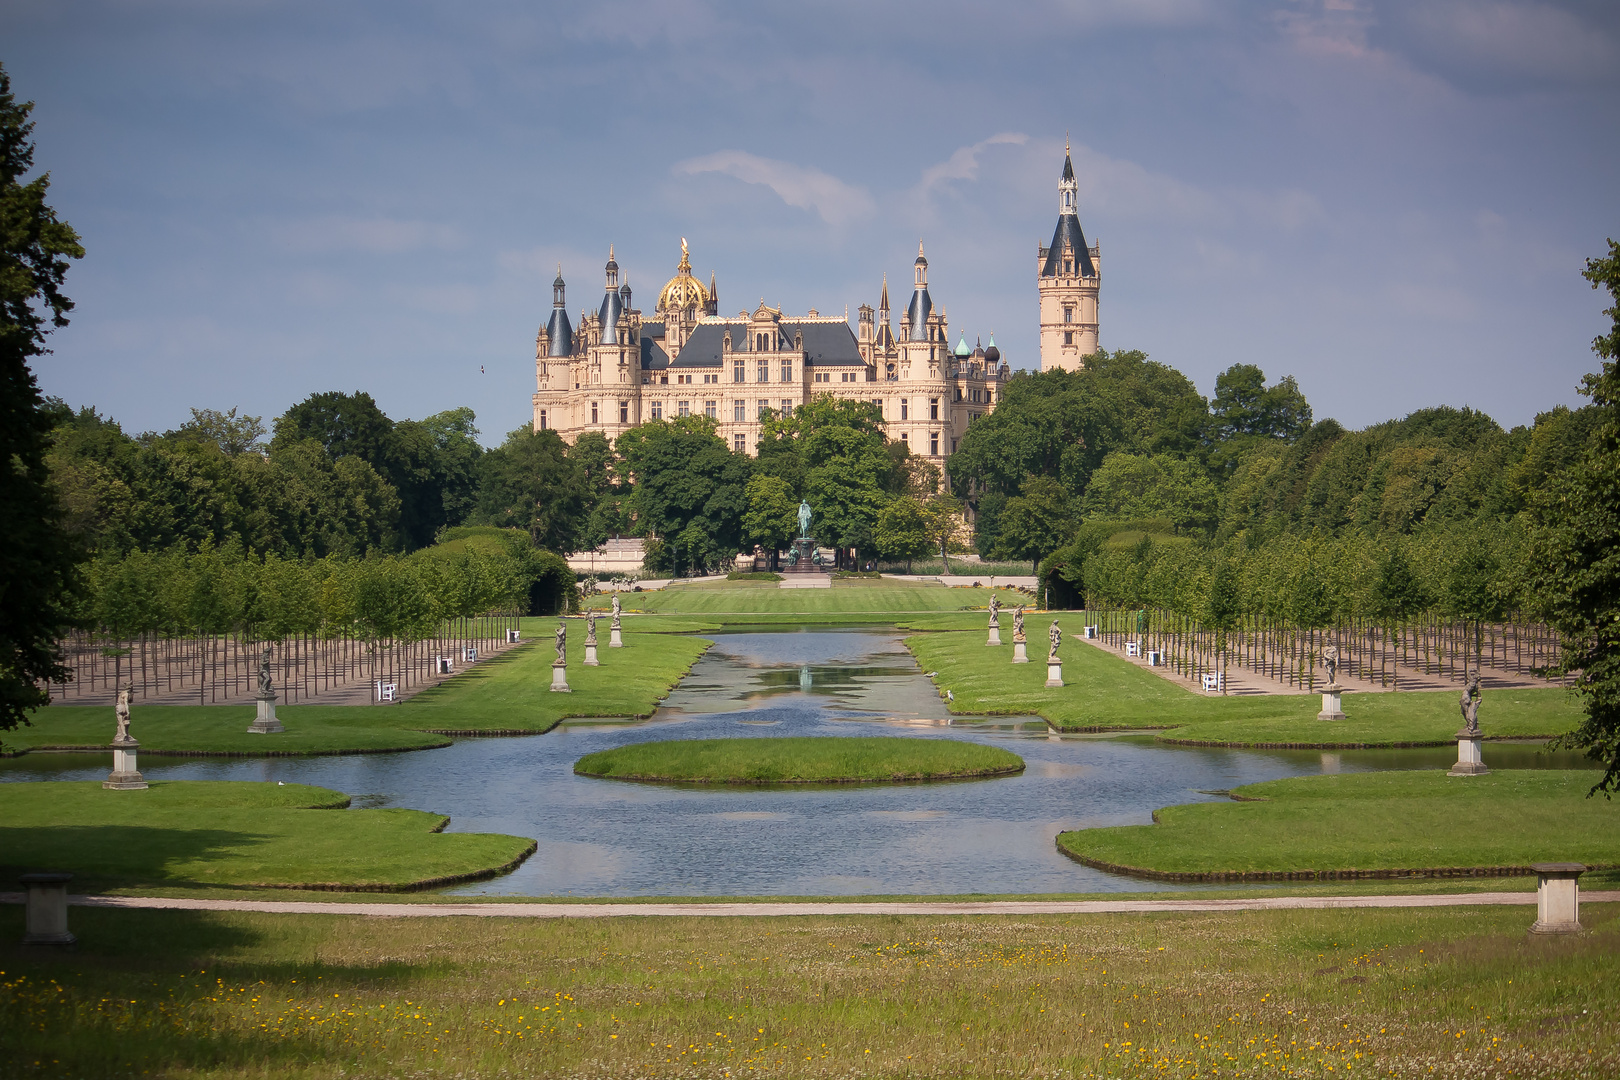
{"x": 266, "y": 723}
{"x": 1054, "y": 673}
{"x": 1558, "y": 898}
{"x": 1470, "y": 762}
{"x": 46, "y": 917}
{"x": 1091, "y": 633}
{"x": 615, "y": 639}
{"x": 1019, "y": 656}
{"x": 590, "y": 655}
{"x": 559, "y": 680}
{"x": 124, "y": 776}
{"x": 1332, "y": 704}
{"x": 995, "y": 636}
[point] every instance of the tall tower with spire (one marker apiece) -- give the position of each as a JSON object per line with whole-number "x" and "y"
{"x": 1068, "y": 276}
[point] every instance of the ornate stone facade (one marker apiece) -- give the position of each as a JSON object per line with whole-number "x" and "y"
{"x": 618, "y": 369}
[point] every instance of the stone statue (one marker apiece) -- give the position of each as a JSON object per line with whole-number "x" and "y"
{"x": 562, "y": 644}
{"x": 121, "y": 715}
{"x": 793, "y": 557}
{"x": 1330, "y": 657}
{"x": 615, "y": 611}
{"x": 995, "y": 611}
{"x": 1056, "y": 636}
{"x": 590, "y": 627}
{"x": 1470, "y": 703}
{"x": 266, "y": 691}
{"x": 804, "y": 520}
{"x": 1018, "y": 623}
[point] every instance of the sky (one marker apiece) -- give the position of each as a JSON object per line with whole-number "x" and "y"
{"x": 1390, "y": 200}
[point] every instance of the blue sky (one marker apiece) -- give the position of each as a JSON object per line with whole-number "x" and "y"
{"x": 1391, "y": 201}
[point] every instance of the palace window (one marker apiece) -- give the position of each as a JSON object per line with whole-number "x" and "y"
{"x": 933, "y": 443}
{"x": 542, "y": 419}
{"x": 764, "y": 407}
{"x": 593, "y": 412}
{"x": 657, "y": 410}
{"x": 905, "y": 437}
{"x": 1068, "y": 266}
{"x": 1068, "y": 337}
{"x": 821, "y": 376}
{"x": 624, "y": 412}
{"x": 933, "y": 408}
{"x": 764, "y": 371}
{"x": 787, "y": 407}
{"x": 737, "y": 372}
{"x": 683, "y": 408}
{"x": 1068, "y": 313}
{"x": 683, "y": 380}
{"x": 879, "y": 403}
{"x": 787, "y": 372}
{"x": 738, "y": 443}
{"x": 739, "y": 410}
{"x": 711, "y": 409}
{"x": 711, "y": 378}
{"x": 905, "y": 409}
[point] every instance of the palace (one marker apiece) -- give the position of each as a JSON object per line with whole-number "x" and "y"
{"x": 618, "y": 369}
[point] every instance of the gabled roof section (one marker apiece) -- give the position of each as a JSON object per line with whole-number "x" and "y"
{"x": 1068, "y": 233}
{"x": 825, "y": 343}
{"x": 653, "y": 356}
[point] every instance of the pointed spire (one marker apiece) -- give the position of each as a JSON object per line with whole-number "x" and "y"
{"x": 883, "y": 304}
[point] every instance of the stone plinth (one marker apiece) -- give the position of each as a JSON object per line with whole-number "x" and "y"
{"x": 1054, "y": 673}
{"x": 1558, "y": 897}
{"x": 559, "y": 680}
{"x": 590, "y": 655}
{"x": 124, "y": 776}
{"x": 1332, "y": 704}
{"x": 266, "y": 723}
{"x": 1470, "y": 762}
{"x": 995, "y": 636}
{"x": 1019, "y": 657}
{"x": 46, "y": 918}
{"x": 615, "y": 639}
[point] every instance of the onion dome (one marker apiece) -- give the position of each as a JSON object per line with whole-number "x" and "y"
{"x": 624, "y": 293}
{"x": 992, "y": 354}
{"x": 683, "y": 291}
{"x": 962, "y": 351}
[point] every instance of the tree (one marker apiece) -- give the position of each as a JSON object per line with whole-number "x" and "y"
{"x": 1245, "y": 405}
{"x": 904, "y": 530}
{"x": 691, "y": 489}
{"x": 342, "y": 424}
{"x": 1222, "y": 608}
{"x": 847, "y": 472}
{"x": 1576, "y": 550}
{"x": 772, "y": 519}
{"x": 1037, "y": 522}
{"x": 38, "y": 560}
{"x": 530, "y": 483}
{"x": 231, "y": 433}
{"x": 1154, "y": 486}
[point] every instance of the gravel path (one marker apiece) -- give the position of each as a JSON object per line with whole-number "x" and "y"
{"x": 904, "y": 907}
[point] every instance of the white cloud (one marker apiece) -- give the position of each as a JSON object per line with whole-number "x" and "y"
{"x": 385, "y": 236}
{"x": 964, "y": 164}
{"x": 803, "y": 186}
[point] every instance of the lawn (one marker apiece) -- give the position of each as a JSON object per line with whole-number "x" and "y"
{"x": 1103, "y": 692}
{"x": 799, "y": 760}
{"x": 1408, "y": 993}
{"x": 1361, "y": 824}
{"x": 222, "y": 833}
{"x": 505, "y": 694}
{"x": 849, "y": 600}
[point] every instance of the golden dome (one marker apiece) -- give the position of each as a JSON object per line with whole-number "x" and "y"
{"x": 683, "y": 290}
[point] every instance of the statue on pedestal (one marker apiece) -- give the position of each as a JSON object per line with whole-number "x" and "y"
{"x": 615, "y": 625}
{"x": 562, "y": 645}
{"x": 590, "y": 627}
{"x": 266, "y": 691}
{"x": 1330, "y": 657}
{"x": 995, "y": 611}
{"x": 1018, "y": 623}
{"x": 804, "y": 520}
{"x": 1056, "y": 637}
{"x": 121, "y": 717}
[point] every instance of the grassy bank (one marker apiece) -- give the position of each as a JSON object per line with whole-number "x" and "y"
{"x": 1363, "y": 824}
{"x": 848, "y": 600}
{"x": 799, "y": 761}
{"x": 234, "y": 834}
{"x": 1103, "y": 692}
{"x": 505, "y": 694}
{"x": 1407, "y": 993}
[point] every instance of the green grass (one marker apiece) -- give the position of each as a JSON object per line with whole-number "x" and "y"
{"x": 849, "y": 600}
{"x": 1103, "y": 692}
{"x": 1370, "y": 822}
{"x": 1409, "y": 993}
{"x": 799, "y": 760}
{"x": 505, "y": 694}
{"x": 220, "y": 833}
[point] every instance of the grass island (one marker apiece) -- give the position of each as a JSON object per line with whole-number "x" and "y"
{"x": 800, "y": 761}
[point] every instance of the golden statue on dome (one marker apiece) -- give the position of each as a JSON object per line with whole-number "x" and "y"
{"x": 683, "y": 292}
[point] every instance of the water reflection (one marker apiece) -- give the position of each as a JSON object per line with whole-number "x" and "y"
{"x": 604, "y": 838}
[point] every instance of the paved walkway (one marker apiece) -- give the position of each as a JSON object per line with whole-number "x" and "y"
{"x": 855, "y": 907}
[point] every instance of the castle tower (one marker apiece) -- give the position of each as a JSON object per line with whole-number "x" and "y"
{"x": 559, "y": 333}
{"x": 1068, "y": 277}
{"x": 612, "y": 305}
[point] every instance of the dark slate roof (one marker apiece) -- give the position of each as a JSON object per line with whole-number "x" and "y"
{"x": 653, "y": 356}
{"x": 1068, "y": 232}
{"x": 560, "y": 333}
{"x": 828, "y": 343}
{"x": 653, "y": 330}
{"x": 612, "y": 310}
{"x": 1068, "y": 166}
{"x": 917, "y": 312}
